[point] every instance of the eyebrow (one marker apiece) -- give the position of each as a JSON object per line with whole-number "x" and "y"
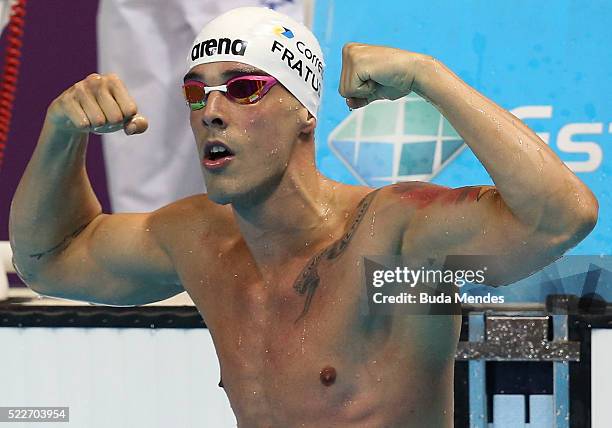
{"x": 227, "y": 74}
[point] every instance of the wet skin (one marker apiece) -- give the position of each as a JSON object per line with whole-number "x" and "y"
{"x": 272, "y": 258}
{"x": 335, "y": 366}
{"x": 272, "y": 255}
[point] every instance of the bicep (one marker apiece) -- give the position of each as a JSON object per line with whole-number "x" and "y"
{"x": 475, "y": 220}
{"x": 117, "y": 260}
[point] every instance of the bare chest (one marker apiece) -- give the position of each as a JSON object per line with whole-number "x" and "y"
{"x": 303, "y": 332}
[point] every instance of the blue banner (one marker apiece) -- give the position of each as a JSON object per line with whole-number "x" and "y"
{"x": 547, "y": 62}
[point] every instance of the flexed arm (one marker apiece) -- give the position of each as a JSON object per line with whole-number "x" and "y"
{"x": 537, "y": 206}
{"x": 62, "y": 243}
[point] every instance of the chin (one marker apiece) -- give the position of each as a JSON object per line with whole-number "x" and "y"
{"x": 250, "y": 191}
{"x": 220, "y": 198}
{"x": 224, "y": 195}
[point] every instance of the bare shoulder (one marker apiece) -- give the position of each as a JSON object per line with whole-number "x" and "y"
{"x": 398, "y": 202}
{"x": 189, "y": 217}
{"x": 423, "y": 208}
{"x": 412, "y": 193}
{"x": 413, "y": 196}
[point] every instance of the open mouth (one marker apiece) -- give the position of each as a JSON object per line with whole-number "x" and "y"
{"x": 216, "y": 154}
{"x": 214, "y": 151}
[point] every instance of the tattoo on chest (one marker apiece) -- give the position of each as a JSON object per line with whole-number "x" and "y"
{"x": 308, "y": 280}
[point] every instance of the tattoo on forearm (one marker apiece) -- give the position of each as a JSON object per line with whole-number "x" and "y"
{"x": 308, "y": 280}
{"x": 64, "y": 243}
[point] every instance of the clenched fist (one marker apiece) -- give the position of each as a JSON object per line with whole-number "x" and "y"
{"x": 372, "y": 73}
{"x": 99, "y": 104}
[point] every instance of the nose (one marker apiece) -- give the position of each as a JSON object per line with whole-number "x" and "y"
{"x": 213, "y": 111}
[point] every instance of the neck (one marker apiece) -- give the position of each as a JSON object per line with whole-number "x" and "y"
{"x": 298, "y": 214}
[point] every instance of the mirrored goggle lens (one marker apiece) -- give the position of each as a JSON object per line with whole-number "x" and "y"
{"x": 194, "y": 93}
{"x": 245, "y": 90}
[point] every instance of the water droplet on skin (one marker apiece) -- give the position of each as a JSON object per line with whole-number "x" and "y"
{"x": 303, "y": 337}
{"x": 372, "y": 224}
{"x": 147, "y": 229}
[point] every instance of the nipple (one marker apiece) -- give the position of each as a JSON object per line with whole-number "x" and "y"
{"x": 328, "y": 376}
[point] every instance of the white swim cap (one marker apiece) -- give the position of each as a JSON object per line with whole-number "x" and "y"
{"x": 270, "y": 41}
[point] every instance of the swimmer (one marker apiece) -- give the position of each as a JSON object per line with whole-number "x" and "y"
{"x": 271, "y": 255}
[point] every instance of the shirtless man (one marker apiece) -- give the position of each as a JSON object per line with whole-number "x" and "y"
{"x": 271, "y": 255}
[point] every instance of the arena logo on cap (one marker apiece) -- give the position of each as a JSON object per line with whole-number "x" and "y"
{"x": 222, "y": 46}
{"x": 279, "y": 30}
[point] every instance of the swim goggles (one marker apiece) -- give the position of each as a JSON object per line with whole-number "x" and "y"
{"x": 241, "y": 89}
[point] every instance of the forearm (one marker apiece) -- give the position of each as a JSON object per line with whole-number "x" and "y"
{"x": 531, "y": 179}
{"x": 54, "y": 199}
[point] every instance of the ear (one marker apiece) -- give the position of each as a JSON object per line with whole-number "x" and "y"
{"x": 309, "y": 124}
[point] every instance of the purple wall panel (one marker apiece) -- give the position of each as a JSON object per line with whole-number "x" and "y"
{"x": 59, "y": 48}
